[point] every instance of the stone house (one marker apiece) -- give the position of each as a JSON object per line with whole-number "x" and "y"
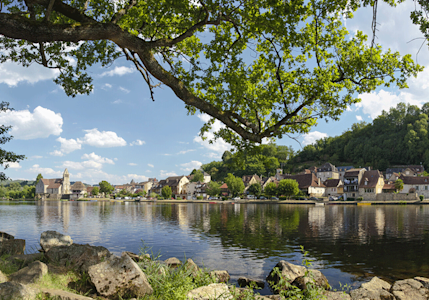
{"x": 308, "y": 184}
{"x": 342, "y": 170}
{"x": 54, "y": 189}
{"x": 371, "y": 184}
{"x": 352, "y": 180}
{"x": 333, "y": 187}
{"x": 327, "y": 171}
{"x": 248, "y": 180}
{"x": 176, "y": 183}
{"x": 419, "y": 185}
{"x": 407, "y": 170}
{"x": 267, "y": 180}
{"x": 146, "y": 185}
{"x": 196, "y": 189}
{"x": 78, "y": 190}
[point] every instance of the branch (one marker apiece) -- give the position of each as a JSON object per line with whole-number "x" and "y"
{"x": 65, "y": 9}
{"x": 49, "y": 10}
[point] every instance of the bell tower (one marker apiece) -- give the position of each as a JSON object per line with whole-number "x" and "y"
{"x": 66, "y": 182}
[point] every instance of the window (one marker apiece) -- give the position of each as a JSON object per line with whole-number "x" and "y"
{"x": 426, "y": 187}
{"x": 417, "y": 187}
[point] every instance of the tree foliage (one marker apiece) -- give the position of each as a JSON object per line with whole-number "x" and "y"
{"x": 397, "y": 137}
{"x": 106, "y": 187}
{"x": 166, "y": 192}
{"x": 271, "y": 189}
{"x": 95, "y": 191}
{"x": 288, "y": 187}
{"x": 198, "y": 176}
{"x": 263, "y": 68}
{"x": 399, "y": 184}
{"x": 213, "y": 188}
{"x": 255, "y": 189}
{"x": 235, "y": 184}
{"x": 39, "y": 176}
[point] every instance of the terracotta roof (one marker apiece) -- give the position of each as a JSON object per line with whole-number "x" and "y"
{"x": 415, "y": 180}
{"x": 370, "y": 178}
{"x": 224, "y": 186}
{"x": 78, "y": 186}
{"x": 389, "y": 186}
{"x": 305, "y": 180}
{"x": 332, "y": 182}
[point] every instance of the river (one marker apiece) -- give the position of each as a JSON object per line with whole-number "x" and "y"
{"x": 348, "y": 243}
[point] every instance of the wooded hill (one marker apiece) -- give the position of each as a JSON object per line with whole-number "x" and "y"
{"x": 397, "y": 137}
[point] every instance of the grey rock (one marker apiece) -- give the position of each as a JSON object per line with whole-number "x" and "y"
{"x": 424, "y": 281}
{"x": 244, "y": 281}
{"x": 16, "y": 291}
{"x": 221, "y": 275}
{"x": 218, "y": 291}
{"x": 119, "y": 277}
{"x": 3, "y": 277}
{"x": 5, "y": 236}
{"x": 50, "y": 239}
{"x": 30, "y": 274}
{"x": 409, "y": 289}
{"x": 80, "y": 257}
{"x": 192, "y": 267}
{"x": 12, "y": 247}
{"x": 63, "y": 295}
{"x": 362, "y": 293}
{"x": 24, "y": 260}
{"x": 315, "y": 278}
{"x": 287, "y": 270}
{"x": 376, "y": 284}
{"x": 137, "y": 258}
{"x": 330, "y": 295}
{"x": 173, "y": 262}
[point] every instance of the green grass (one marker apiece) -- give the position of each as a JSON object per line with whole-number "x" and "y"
{"x": 7, "y": 267}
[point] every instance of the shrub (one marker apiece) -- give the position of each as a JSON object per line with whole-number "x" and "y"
{"x": 282, "y": 198}
{"x": 421, "y": 197}
{"x": 200, "y": 198}
{"x": 351, "y": 199}
{"x": 224, "y": 198}
{"x": 360, "y": 199}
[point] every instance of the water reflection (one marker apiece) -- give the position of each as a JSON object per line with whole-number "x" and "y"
{"x": 350, "y": 243}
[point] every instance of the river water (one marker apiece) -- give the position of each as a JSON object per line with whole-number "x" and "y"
{"x": 348, "y": 243}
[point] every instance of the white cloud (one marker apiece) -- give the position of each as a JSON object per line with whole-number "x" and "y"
{"x": 12, "y": 73}
{"x": 88, "y": 164}
{"x": 56, "y": 153}
{"x": 185, "y": 151}
{"x": 119, "y": 101}
{"x": 106, "y": 86}
{"x": 311, "y": 137}
{"x": 219, "y": 145}
{"x": 124, "y": 90}
{"x": 12, "y": 165}
{"x": 104, "y": 139}
{"x": 213, "y": 155}
{"x": 132, "y": 164}
{"x": 41, "y": 123}
{"x": 359, "y": 118}
{"x": 46, "y": 172}
{"x": 118, "y": 71}
{"x": 36, "y": 157}
{"x": 137, "y": 143}
{"x": 67, "y": 146}
{"x": 97, "y": 158}
{"x": 188, "y": 167}
{"x": 164, "y": 173}
{"x": 150, "y": 165}
{"x": 137, "y": 177}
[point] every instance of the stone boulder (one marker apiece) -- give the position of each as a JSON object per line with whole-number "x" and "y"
{"x": 29, "y": 274}
{"x": 79, "y": 256}
{"x": 315, "y": 278}
{"x": 16, "y": 291}
{"x": 173, "y": 262}
{"x": 12, "y": 247}
{"x": 137, "y": 258}
{"x": 287, "y": 270}
{"x": 24, "y": 260}
{"x": 63, "y": 295}
{"x": 221, "y": 275}
{"x": 218, "y": 291}
{"x": 330, "y": 295}
{"x": 5, "y": 236}
{"x": 409, "y": 289}
{"x": 424, "y": 281}
{"x": 375, "y": 289}
{"x": 119, "y": 277}
{"x": 244, "y": 282}
{"x": 50, "y": 239}
{"x": 3, "y": 278}
{"x": 192, "y": 267}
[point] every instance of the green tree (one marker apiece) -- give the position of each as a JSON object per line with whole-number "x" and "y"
{"x": 235, "y": 184}
{"x": 255, "y": 189}
{"x": 166, "y": 192}
{"x": 399, "y": 184}
{"x": 198, "y": 176}
{"x": 106, "y": 187}
{"x": 270, "y": 189}
{"x": 288, "y": 187}
{"x": 38, "y": 177}
{"x": 95, "y": 191}
{"x": 312, "y": 70}
{"x": 213, "y": 188}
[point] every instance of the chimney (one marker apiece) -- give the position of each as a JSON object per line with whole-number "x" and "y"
{"x": 319, "y": 180}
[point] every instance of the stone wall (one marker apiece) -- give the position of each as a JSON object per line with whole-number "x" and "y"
{"x": 396, "y": 197}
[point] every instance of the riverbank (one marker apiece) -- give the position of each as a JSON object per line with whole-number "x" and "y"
{"x": 64, "y": 270}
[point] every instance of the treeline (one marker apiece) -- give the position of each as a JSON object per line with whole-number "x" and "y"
{"x": 397, "y": 137}
{"x": 260, "y": 160}
{"x": 15, "y": 190}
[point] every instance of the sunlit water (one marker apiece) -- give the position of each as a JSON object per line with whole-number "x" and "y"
{"x": 348, "y": 243}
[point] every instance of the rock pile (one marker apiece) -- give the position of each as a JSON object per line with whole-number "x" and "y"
{"x": 114, "y": 277}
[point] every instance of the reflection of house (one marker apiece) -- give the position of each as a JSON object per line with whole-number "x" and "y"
{"x": 352, "y": 179}
{"x": 419, "y": 185}
{"x": 53, "y": 189}
{"x": 371, "y": 184}
{"x": 78, "y": 190}
{"x": 333, "y": 187}
{"x": 327, "y": 171}
{"x": 308, "y": 183}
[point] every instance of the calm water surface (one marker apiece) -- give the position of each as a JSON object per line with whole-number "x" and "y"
{"x": 348, "y": 243}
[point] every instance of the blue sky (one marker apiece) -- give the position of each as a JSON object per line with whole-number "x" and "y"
{"x": 118, "y": 133}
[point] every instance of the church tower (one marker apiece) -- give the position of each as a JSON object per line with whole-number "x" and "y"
{"x": 66, "y": 182}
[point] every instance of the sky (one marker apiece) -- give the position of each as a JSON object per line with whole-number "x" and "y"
{"x": 118, "y": 133}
